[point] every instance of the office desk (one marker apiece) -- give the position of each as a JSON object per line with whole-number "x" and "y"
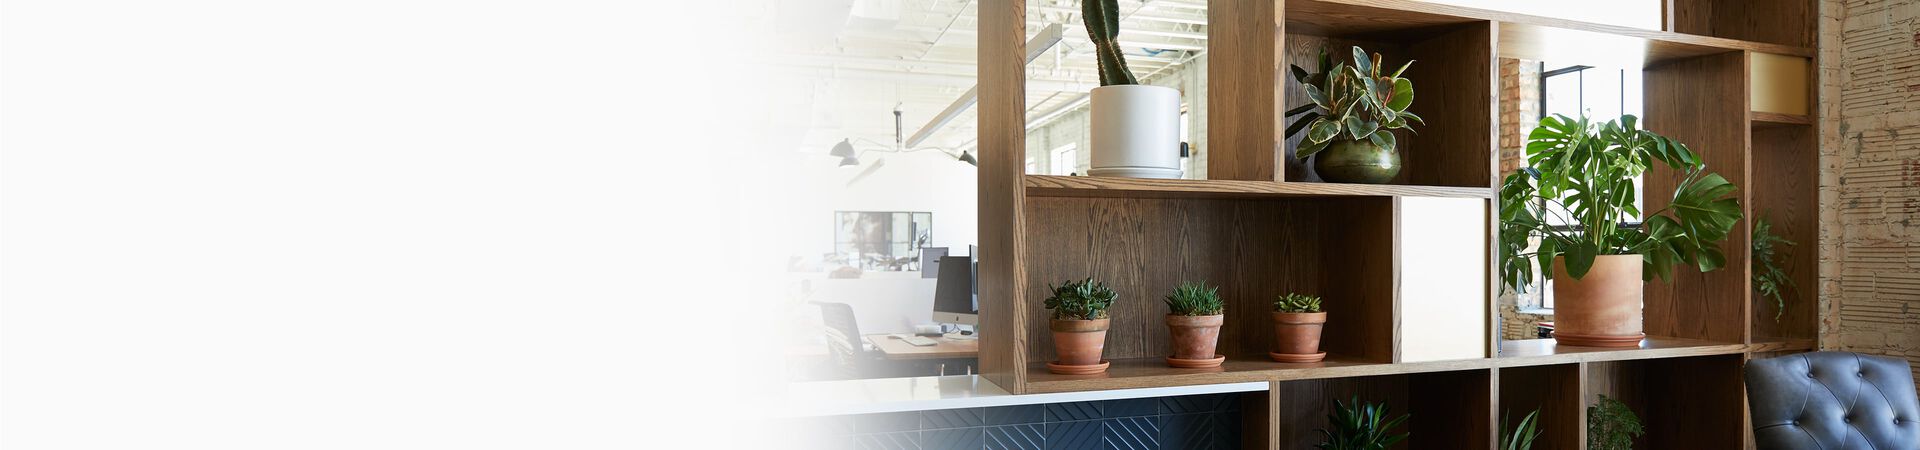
{"x": 895, "y": 349}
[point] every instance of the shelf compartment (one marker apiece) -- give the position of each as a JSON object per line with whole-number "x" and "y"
{"x": 1555, "y": 390}
{"x": 1451, "y": 409}
{"x": 1788, "y": 159}
{"x": 1065, "y": 186}
{"x": 1253, "y": 249}
{"x": 1702, "y": 102}
{"x": 1455, "y": 64}
{"x": 1521, "y": 36}
{"x": 1694, "y": 403}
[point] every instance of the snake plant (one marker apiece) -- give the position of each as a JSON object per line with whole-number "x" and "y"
{"x": 1103, "y": 26}
{"x": 1195, "y": 299}
{"x": 1364, "y": 426}
{"x": 1351, "y": 102}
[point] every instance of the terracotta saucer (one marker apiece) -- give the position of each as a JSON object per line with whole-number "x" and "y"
{"x": 1294, "y": 358}
{"x": 1078, "y": 370}
{"x": 1196, "y": 363}
{"x": 1583, "y": 340}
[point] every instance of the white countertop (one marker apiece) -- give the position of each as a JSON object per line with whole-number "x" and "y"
{"x": 828, "y": 398}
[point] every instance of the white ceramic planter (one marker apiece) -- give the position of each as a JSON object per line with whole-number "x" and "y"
{"x": 1136, "y": 132}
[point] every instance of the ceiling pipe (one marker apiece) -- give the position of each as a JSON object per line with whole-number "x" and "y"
{"x": 1036, "y": 46}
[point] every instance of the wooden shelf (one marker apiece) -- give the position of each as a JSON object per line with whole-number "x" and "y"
{"x": 1521, "y": 36}
{"x": 1532, "y": 352}
{"x": 1772, "y": 120}
{"x": 1063, "y": 186}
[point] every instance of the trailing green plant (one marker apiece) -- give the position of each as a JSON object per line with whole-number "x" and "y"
{"x": 1768, "y": 279}
{"x": 1364, "y": 426}
{"x": 1103, "y": 27}
{"x": 1611, "y": 425}
{"x": 1297, "y": 303}
{"x": 1194, "y": 298}
{"x": 1583, "y": 174}
{"x": 1521, "y": 436}
{"x": 1351, "y": 102}
{"x": 1080, "y": 300}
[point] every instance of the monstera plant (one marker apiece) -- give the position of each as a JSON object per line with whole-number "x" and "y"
{"x": 1350, "y": 118}
{"x": 1582, "y": 177}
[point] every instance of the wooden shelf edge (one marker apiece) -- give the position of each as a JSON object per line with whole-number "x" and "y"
{"x": 1415, "y": 14}
{"x": 1065, "y": 186}
{"x": 1768, "y": 119}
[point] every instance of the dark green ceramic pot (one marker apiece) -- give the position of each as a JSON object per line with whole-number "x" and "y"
{"x": 1351, "y": 161}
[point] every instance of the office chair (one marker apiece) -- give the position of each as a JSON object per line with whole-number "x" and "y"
{"x": 1833, "y": 401}
{"x": 844, "y": 346}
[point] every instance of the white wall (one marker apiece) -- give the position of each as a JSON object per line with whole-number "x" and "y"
{"x": 885, "y": 302}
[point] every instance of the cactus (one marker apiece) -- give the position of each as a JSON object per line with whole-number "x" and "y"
{"x": 1103, "y": 26}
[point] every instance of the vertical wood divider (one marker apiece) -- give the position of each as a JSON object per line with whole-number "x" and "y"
{"x": 1702, "y": 102}
{"x": 1244, "y": 100}
{"x": 1002, "y": 163}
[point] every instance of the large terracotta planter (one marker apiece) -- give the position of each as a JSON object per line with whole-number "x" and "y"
{"x": 1079, "y": 342}
{"x": 1296, "y": 337}
{"x": 1194, "y": 340}
{"x": 1601, "y": 309}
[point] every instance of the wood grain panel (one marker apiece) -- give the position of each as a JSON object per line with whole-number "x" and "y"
{"x": 1701, "y": 102}
{"x": 1243, "y": 110}
{"x": 1692, "y": 403}
{"x": 1254, "y": 250}
{"x": 1257, "y": 424}
{"x": 1454, "y": 408}
{"x": 1456, "y": 83}
{"x": 1787, "y": 158}
{"x": 1555, "y": 391}
{"x": 1002, "y": 141}
{"x": 1070, "y": 186}
{"x": 1522, "y": 36}
{"x": 1784, "y": 22}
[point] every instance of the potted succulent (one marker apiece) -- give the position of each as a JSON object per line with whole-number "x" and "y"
{"x": 1583, "y": 177}
{"x": 1350, "y": 118}
{"x": 1079, "y": 325}
{"x": 1195, "y": 313}
{"x": 1364, "y": 426}
{"x": 1136, "y": 127}
{"x": 1297, "y": 321}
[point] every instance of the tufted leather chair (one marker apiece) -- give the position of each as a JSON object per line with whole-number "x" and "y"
{"x": 1833, "y": 401}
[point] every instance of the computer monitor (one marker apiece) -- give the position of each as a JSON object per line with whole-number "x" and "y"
{"x": 955, "y": 293}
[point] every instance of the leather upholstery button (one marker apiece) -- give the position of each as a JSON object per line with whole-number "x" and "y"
{"x": 1809, "y": 374}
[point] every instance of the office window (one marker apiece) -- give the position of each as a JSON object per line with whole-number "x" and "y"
{"x": 1032, "y": 166}
{"x": 887, "y": 241}
{"x": 1064, "y": 159}
{"x": 1597, "y": 93}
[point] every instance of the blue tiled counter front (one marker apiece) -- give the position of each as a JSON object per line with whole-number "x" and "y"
{"x": 1205, "y": 421}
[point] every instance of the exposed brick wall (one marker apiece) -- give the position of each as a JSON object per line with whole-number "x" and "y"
{"x": 1870, "y": 176}
{"x": 1519, "y": 112}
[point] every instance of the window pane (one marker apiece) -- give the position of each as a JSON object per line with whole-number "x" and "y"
{"x": 1563, "y": 94}
{"x": 1600, "y": 94}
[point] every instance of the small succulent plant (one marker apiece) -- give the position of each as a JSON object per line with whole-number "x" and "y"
{"x": 1195, "y": 299}
{"x": 1351, "y": 102}
{"x": 1080, "y": 300}
{"x": 1103, "y": 27}
{"x": 1297, "y": 303}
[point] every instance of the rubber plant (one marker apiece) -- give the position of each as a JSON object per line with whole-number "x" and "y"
{"x": 1358, "y": 101}
{"x": 1584, "y": 174}
{"x": 1102, "y": 18}
{"x": 1768, "y": 279}
{"x": 1363, "y": 426}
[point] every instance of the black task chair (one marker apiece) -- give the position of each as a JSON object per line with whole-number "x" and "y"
{"x": 844, "y": 346}
{"x": 1833, "y": 401}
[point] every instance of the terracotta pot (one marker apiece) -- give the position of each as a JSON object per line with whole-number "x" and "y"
{"x": 1079, "y": 342}
{"x": 1601, "y": 309}
{"x": 1297, "y": 333}
{"x": 1195, "y": 337}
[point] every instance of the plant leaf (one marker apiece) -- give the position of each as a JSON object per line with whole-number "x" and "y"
{"x": 1309, "y": 148}
{"x": 1323, "y": 130}
{"x": 1382, "y": 138}
{"x": 1402, "y": 95}
{"x": 1302, "y": 122}
{"x": 1359, "y": 129}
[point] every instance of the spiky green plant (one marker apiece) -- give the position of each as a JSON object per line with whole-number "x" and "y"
{"x": 1080, "y": 300}
{"x": 1194, "y": 298}
{"x": 1103, "y": 26}
{"x": 1520, "y": 437}
{"x": 1364, "y": 426}
{"x": 1351, "y": 102}
{"x": 1611, "y": 425}
{"x": 1586, "y": 171}
{"x": 1768, "y": 279}
{"x": 1297, "y": 303}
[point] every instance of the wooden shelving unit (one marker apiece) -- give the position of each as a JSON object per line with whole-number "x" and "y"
{"x": 1406, "y": 267}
